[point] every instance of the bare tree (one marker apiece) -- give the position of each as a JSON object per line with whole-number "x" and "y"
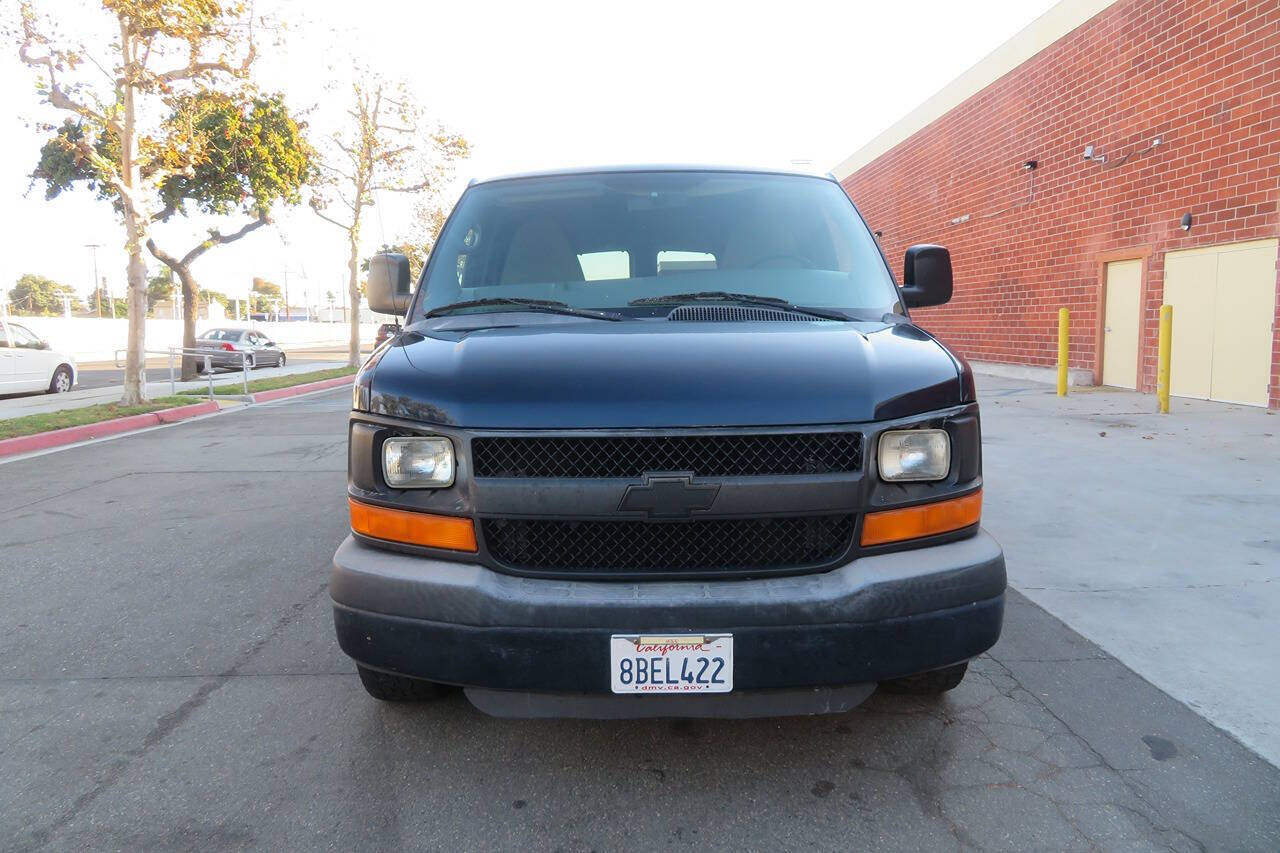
{"x": 386, "y": 145}
{"x": 165, "y": 49}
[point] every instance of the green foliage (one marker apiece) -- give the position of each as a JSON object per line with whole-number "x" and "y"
{"x": 35, "y": 294}
{"x": 100, "y": 296}
{"x": 245, "y": 156}
{"x": 271, "y": 383}
{"x": 266, "y": 288}
{"x": 32, "y": 424}
{"x": 160, "y": 287}
{"x": 207, "y": 296}
{"x": 252, "y": 155}
{"x": 265, "y": 294}
{"x": 63, "y": 164}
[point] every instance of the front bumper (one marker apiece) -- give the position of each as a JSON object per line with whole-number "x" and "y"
{"x": 873, "y": 619}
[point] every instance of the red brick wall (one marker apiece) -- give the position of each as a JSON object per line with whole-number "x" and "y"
{"x": 1204, "y": 76}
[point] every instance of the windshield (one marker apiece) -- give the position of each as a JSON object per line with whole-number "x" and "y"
{"x": 603, "y": 241}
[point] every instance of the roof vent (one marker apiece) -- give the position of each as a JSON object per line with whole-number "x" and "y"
{"x": 738, "y": 314}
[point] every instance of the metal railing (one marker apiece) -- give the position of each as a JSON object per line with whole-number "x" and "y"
{"x": 205, "y": 354}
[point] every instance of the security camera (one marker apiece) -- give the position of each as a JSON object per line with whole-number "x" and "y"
{"x": 1088, "y": 152}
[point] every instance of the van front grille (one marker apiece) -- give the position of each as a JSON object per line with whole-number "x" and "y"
{"x": 717, "y": 546}
{"x": 734, "y": 455}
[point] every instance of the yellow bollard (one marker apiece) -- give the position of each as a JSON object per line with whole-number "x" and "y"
{"x": 1166, "y": 345}
{"x": 1062, "y": 352}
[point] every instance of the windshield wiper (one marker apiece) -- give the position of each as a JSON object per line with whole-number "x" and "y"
{"x": 548, "y": 305}
{"x": 744, "y": 298}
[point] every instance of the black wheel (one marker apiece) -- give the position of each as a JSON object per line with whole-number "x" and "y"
{"x": 251, "y": 363}
{"x": 397, "y": 688}
{"x": 928, "y": 683}
{"x": 61, "y": 381}
{"x": 280, "y": 361}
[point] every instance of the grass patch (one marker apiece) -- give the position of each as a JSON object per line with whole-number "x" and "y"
{"x": 271, "y": 383}
{"x": 32, "y": 424}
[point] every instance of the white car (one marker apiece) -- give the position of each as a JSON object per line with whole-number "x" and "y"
{"x": 30, "y": 364}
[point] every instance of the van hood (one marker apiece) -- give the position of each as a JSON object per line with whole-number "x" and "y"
{"x": 641, "y": 374}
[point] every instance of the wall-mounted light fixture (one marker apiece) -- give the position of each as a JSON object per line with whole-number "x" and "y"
{"x": 1186, "y": 221}
{"x": 1030, "y": 166}
{"x": 879, "y": 234}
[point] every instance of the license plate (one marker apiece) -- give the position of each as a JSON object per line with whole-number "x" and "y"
{"x": 671, "y": 663}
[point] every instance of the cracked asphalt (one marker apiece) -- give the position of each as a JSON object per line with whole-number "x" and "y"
{"x": 169, "y": 680}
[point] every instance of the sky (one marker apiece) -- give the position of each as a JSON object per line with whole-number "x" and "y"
{"x": 532, "y": 86}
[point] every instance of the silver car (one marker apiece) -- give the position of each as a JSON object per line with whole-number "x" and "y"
{"x": 224, "y": 347}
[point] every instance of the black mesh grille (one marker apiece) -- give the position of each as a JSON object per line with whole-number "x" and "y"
{"x": 717, "y": 545}
{"x": 631, "y": 456}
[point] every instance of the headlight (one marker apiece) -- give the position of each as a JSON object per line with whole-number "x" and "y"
{"x": 417, "y": 462}
{"x": 914, "y": 454}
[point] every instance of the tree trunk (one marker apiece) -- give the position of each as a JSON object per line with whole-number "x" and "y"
{"x": 135, "y": 384}
{"x": 190, "y": 307}
{"x": 353, "y": 288}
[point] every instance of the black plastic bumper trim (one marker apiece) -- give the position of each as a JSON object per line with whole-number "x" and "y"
{"x": 577, "y": 659}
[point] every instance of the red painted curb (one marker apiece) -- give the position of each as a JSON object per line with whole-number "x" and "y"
{"x": 295, "y": 390}
{"x": 70, "y": 435}
{"x": 181, "y": 413}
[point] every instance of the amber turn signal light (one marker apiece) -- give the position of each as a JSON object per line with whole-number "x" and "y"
{"x": 413, "y": 528}
{"x": 913, "y": 522}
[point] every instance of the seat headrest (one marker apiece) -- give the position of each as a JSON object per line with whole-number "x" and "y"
{"x": 540, "y": 252}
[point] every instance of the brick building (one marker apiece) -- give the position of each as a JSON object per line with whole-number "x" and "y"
{"x": 1061, "y": 170}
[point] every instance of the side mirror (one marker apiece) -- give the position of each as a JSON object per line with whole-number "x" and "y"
{"x": 46, "y": 345}
{"x": 926, "y": 276}
{"x": 388, "y": 288}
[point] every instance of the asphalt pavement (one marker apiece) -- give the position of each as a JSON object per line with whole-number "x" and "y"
{"x": 169, "y": 680}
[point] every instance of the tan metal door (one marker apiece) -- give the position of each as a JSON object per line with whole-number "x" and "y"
{"x": 1224, "y": 300}
{"x": 1120, "y": 324}
{"x": 1242, "y": 328}
{"x": 1190, "y": 286}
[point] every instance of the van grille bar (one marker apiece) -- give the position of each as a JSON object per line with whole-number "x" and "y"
{"x": 734, "y": 455}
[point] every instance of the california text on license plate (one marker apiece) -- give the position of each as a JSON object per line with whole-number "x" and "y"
{"x": 671, "y": 663}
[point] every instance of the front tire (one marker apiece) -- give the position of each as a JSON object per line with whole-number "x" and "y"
{"x": 280, "y": 363}
{"x": 386, "y": 687}
{"x": 61, "y": 381}
{"x": 930, "y": 683}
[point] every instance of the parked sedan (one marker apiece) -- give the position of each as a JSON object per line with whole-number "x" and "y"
{"x": 224, "y": 347}
{"x": 386, "y": 332}
{"x": 28, "y": 363}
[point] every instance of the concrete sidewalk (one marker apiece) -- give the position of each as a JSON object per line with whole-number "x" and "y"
{"x": 34, "y": 404}
{"x": 1155, "y": 536}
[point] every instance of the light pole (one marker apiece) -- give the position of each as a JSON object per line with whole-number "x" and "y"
{"x": 97, "y": 296}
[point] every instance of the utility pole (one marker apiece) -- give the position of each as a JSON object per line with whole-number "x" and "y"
{"x": 97, "y": 297}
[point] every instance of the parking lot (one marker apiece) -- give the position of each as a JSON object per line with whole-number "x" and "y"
{"x": 169, "y": 677}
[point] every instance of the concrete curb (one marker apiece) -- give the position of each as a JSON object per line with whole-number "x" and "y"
{"x": 85, "y": 432}
{"x": 295, "y": 390}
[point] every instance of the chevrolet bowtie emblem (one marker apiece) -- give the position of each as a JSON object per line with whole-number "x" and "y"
{"x": 668, "y": 496}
